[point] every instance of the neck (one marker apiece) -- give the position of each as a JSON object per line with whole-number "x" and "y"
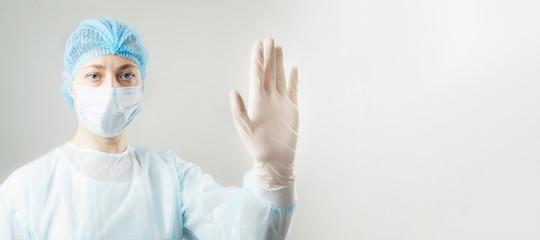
{"x": 86, "y": 139}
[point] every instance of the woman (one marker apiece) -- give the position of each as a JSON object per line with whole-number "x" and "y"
{"x": 97, "y": 186}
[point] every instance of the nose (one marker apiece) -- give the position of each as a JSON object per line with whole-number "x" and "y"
{"x": 109, "y": 81}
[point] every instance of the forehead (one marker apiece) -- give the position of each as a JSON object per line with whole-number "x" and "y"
{"x": 109, "y": 61}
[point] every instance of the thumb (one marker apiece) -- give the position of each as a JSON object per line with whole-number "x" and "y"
{"x": 238, "y": 109}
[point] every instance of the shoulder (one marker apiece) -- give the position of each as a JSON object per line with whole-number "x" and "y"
{"x": 164, "y": 156}
{"x": 168, "y": 157}
{"x": 25, "y": 180}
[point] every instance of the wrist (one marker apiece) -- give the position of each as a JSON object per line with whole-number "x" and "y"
{"x": 273, "y": 176}
{"x": 280, "y": 198}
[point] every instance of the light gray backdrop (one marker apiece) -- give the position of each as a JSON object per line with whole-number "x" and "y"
{"x": 419, "y": 119}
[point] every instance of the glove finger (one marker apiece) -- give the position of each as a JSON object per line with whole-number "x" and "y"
{"x": 256, "y": 72}
{"x": 240, "y": 116}
{"x": 293, "y": 85}
{"x": 269, "y": 65}
{"x": 280, "y": 73}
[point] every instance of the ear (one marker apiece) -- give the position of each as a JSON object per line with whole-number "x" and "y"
{"x": 67, "y": 77}
{"x": 71, "y": 91}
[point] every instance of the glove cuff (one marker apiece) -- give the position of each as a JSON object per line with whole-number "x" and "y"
{"x": 273, "y": 176}
{"x": 281, "y": 198}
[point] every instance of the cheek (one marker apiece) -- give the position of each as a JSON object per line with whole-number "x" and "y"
{"x": 139, "y": 79}
{"x": 138, "y": 82}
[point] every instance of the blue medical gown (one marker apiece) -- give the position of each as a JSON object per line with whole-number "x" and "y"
{"x": 137, "y": 194}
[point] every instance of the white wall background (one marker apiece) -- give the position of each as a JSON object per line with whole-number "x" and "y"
{"x": 419, "y": 119}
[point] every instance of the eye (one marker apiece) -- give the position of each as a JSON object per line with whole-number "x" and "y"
{"x": 127, "y": 76}
{"x": 92, "y": 76}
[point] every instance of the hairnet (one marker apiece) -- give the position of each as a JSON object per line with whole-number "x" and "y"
{"x": 96, "y": 37}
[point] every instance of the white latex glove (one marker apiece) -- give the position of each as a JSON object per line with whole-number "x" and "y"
{"x": 269, "y": 127}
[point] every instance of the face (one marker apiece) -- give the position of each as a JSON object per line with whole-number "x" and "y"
{"x": 107, "y": 71}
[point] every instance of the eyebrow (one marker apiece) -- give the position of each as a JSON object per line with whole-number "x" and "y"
{"x": 98, "y": 66}
{"x": 128, "y": 65}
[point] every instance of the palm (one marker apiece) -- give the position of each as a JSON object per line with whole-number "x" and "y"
{"x": 269, "y": 126}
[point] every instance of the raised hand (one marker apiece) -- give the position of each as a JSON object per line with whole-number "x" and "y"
{"x": 269, "y": 126}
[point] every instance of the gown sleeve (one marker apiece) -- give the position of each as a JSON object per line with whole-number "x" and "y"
{"x": 12, "y": 226}
{"x": 211, "y": 211}
{"x": 5, "y": 219}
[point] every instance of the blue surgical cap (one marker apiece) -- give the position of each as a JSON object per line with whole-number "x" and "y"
{"x": 96, "y": 37}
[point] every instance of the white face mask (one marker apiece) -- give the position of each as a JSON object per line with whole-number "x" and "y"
{"x": 106, "y": 112}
